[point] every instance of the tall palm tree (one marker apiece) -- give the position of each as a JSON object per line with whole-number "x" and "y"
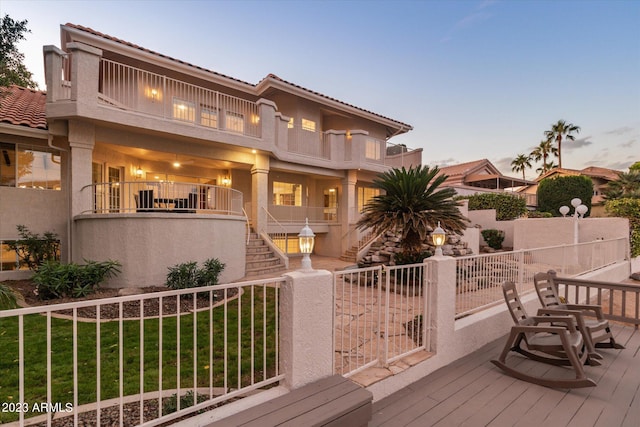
{"x": 546, "y": 167}
{"x": 412, "y": 203}
{"x": 542, "y": 152}
{"x": 521, "y": 163}
{"x": 559, "y": 131}
{"x": 627, "y": 185}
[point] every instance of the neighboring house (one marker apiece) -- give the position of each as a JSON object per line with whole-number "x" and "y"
{"x": 160, "y": 162}
{"x": 599, "y": 176}
{"x": 479, "y": 176}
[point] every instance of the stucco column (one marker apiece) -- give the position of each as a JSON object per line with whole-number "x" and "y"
{"x": 85, "y": 73}
{"x": 442, "y": 288}
{"x": 306, "y": 327}
{"x": 260, "y": 192}
{"x": 267, "y": 110}
{"x": 349, "y": 208}
{"x": 53, "y": 72}
{"x": 81, "y": 143}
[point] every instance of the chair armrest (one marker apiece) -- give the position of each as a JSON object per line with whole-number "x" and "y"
{"x": 538, "y": 329}
{"x": 568, "y": 321}
{"x": 596, "y": 310}
{"x": 575, "y": 314}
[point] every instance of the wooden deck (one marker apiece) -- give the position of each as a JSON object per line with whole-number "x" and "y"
{"x": 473, "y": 392}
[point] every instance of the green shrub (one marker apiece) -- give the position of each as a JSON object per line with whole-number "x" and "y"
{"x": 55, "y": 280}
{"x": 406, "y": 258}
{"x": 628, "y": 208}
{"x": 7, "y": 298}
{"x": 188, "y": 275}
{"x": 493, "y": 237}
{"x": 538, "y": 214}
{"x": 33, "y": 249}
{"x": 558, "y": 191}
{"x": 507, "y": 206}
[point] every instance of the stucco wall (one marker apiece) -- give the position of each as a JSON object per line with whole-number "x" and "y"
{"x": 486, "y": 219}
{"x": 540, "y": 232}
{"x": 147, "y": 244}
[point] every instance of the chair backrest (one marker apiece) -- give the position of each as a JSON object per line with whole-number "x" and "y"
{"x": 546, "y": 289}
{"x": 518, "y": 313}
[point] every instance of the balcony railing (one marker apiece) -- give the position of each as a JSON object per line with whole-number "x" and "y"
{"x": 289, "y": 214}
{"x": 154, "y": 94}
{"x": 174, "y": 197}
{"x": 307, "y": 142}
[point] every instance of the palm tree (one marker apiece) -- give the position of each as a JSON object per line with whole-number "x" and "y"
{"x": 627, "y": 185}
{"x": 521, "y": 163}
{"x": 545, "y": 168}
{"x": 412, "y": 203}
{"x": 559, "y": 131}
{"x": 542, "y": 152}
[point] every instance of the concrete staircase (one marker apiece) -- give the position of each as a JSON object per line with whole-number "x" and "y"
{"x": 350, "y": 255}
{"x": 260, "y": 259}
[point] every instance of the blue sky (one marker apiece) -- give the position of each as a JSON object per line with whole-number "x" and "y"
{"x": 476, "y": 79}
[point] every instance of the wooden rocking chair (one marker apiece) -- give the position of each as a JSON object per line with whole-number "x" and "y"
{"x": 549, "y": 339}
{"x": 598, "y": 332}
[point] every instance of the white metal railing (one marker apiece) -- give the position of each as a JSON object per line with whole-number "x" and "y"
{"x": 308, "y": 142}
{"x": 382, "y": 314}
{"x": 288, "y": 214}
{"x": 132, "y": 88}
{"x": 280, "y": 238}
{"x": 157, "y": 345}
{"x": 166, "y": 196}
{"x": 479, "y": 277}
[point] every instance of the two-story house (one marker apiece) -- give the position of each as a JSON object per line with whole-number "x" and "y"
{"x": 160, "y": 161}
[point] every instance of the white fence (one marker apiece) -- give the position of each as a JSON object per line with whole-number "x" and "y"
{"x": 157, "y": 356}
{"x": 479, "y": 277}
{"x": 166, "y": 196}
{"x": 382, "y": 314}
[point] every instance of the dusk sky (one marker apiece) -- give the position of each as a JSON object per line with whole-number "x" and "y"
{"x": 476, "y": 79}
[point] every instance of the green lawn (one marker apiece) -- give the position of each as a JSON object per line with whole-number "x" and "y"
{"x": 62, "y": 353}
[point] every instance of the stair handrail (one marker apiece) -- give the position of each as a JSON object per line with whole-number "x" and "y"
{"x": 248, "y": 224}
{"x": 278, "y": 225}
{"x": 283, "y": 255}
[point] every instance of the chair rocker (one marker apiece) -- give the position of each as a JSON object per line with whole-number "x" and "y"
{"x": 593, "y": 322}
{"x": 554, "y": 340}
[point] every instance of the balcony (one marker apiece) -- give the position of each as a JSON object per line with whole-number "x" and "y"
{"x": 168, "y": 197}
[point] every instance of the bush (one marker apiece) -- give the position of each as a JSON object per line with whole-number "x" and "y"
{"x": 406, "y": 258}
{"x": 7, "y": 298}
{"x": 538, "y": 214}
{"x": 558, "y": 191}
{"x": 171, "y": 404}
{"x": 628, "y": 208}
{"x": 507, "y": 206}
{"x": 494, "y": 238}
{"x": 55, "y": 280}
{"x": 188, "y": 275}
{"x": 33, "y": 249}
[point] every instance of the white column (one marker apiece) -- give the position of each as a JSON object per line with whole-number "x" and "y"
{"x": 260, "y": 192}
{"x": 442, "y": 289}
{"x": 306, "y": 328}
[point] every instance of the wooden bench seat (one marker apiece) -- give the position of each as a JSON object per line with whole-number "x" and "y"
{"x": 332, "y": 401}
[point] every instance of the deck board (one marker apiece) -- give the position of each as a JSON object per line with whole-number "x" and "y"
{"x": 473, "y": 392}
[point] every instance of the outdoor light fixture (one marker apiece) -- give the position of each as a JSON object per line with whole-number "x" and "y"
{"x": 579, "y": 211}
{"x": 439, "y": 237}
{"x": 139, "y": 171}
{"x": 306, "y": 240}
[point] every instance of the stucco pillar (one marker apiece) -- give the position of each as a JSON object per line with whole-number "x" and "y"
{"x": 267, "y": 110}
{"x": 260, "y": 192}
{"x": 81, "y": 143}
{"x": 85, "y": 73}
{"x": 359, "y": 146}
{"x": 306, "y": 327}
{"x": 53, "y": 72}
{"x": 442, "y": 288}
{"x": 337, "y": 145}
{"x": 349, "y": 209}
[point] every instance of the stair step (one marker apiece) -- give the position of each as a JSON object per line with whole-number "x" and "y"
{"x": 263, "y": 263}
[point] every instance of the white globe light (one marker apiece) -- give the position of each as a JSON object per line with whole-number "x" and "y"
{"x": 576, "y": 202}
{"x": 582, "y": 209}
{"x": 564, "y": 210}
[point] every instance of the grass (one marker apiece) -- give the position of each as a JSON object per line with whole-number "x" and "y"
{"x": 211, "y": 359}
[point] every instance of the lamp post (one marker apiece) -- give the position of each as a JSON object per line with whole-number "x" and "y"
{"x": 306, "y": 240}
{"x": 439, "y": 237}
{"x": 579, "y": 210}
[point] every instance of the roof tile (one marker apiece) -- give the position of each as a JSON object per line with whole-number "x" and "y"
{"x": 23, "y": 107}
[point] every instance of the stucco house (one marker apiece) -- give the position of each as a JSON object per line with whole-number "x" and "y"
{"x": 138, "y": 157}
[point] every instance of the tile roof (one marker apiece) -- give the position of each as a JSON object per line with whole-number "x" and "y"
{"x": 23, "y": 107}
{"x": 266, "y": 79}
{"x": 462, "y": 168}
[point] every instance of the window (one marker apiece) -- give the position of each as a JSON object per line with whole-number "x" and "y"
{"x": 290, "y": 123}
{"x": 365, "y": 194}
{"x": 184, "y": 110}
{"x": 234, "y": 122}
{"x": 29, "y": 167}
{"x": 209, "y": 117}
{"x": 9, "y": 259}
{"x": 308, "y": 125}
{"x": 373, "y": 150}
{"x": 287, "y": 194}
